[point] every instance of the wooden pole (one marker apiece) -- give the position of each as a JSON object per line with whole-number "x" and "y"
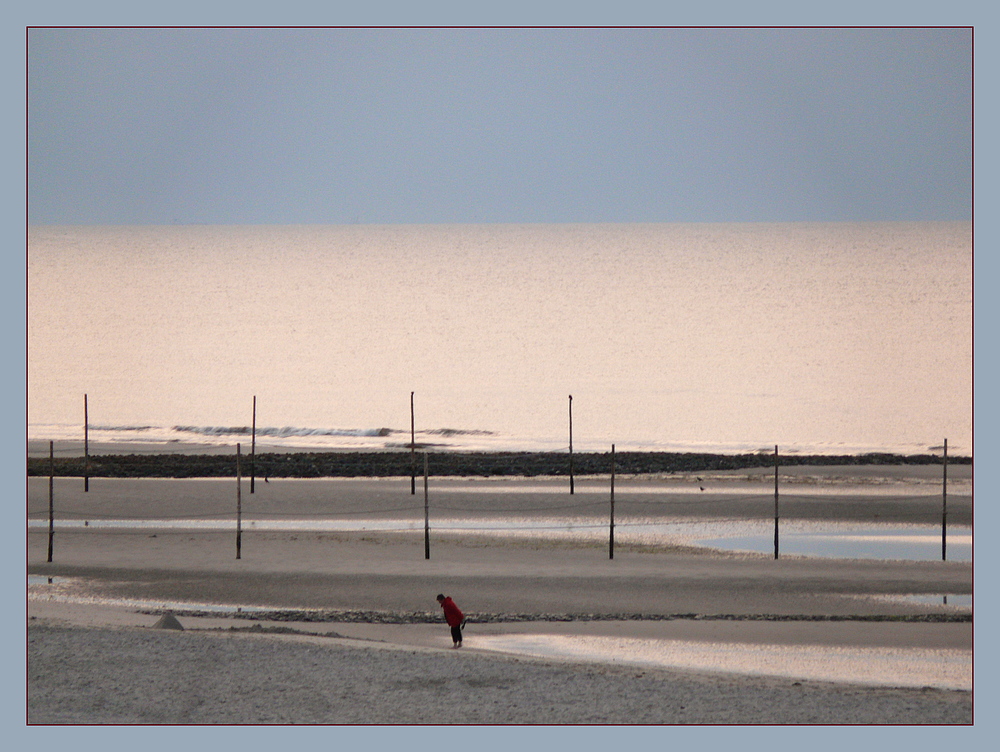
{"x": 571, "y": 445}
{"x": 427, "y": 515}
{"x": 86, "y": 446}
{"x": 775, "y": 501}
{"x": 253, "y": 445}
{"x": 611, "y": 538}
{"x": 413, "y": 451}
{"x": 944, "y": 506}
{"x": 52, "y": 475}
{"x": 239, "y": 505}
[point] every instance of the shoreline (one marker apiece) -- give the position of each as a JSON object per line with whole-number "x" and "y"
{"x": 109, "y": 661}
{"x": 352, "y": 633}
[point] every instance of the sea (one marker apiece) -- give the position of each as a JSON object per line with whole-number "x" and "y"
{"x": 818, "y": 338}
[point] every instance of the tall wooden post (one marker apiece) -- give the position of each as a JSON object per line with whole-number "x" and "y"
{"x": 611, "y": 534}
{"x": 944, "y": 506}
{"x": 239, "y": 505}
{"x": 413, "y": 451}
{"x": 86, "y": 446}
{"x": 253, "y": 445}
{"x": 776, "y": 501}
{"x": 52, "y": 475}
{"x": 427, "y": 515}
{"x": 571, "y": 444}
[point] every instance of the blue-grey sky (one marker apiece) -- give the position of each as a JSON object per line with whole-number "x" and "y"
{"x": 150, "y": 126}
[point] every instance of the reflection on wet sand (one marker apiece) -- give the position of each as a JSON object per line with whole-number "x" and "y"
{"x": 798, "y": 537}
{"x": 879, "y": 666}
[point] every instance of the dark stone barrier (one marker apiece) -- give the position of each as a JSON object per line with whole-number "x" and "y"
{"x": 473, "y": 464}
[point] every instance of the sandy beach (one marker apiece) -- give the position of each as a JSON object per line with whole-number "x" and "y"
{"x": 350, "y": 632}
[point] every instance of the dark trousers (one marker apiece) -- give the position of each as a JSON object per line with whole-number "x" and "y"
{"x": 456, "y": 634}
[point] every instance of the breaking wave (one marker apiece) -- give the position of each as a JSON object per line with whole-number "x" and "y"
{"x": 122, "y": 428}
{"x": 461, "y": 439}
{"x": 284, "y": 432}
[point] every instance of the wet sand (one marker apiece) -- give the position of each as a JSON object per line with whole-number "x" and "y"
{"x": 384, "y": 656}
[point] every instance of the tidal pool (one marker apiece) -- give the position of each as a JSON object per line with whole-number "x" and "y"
{"x": 73, "y": 590}
{"x": 825, "y": 539}
{"x": 958, "y": 602}
{"x": 852, "y": 541}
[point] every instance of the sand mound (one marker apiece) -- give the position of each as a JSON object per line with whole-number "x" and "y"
{"x": 168, "y": 621}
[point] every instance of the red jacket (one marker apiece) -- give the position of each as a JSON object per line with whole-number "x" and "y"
{"x": 452, "y": 614}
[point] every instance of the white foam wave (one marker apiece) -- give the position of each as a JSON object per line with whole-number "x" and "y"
{"x": 282, "y": 432}
{"x": 450, "y": 439}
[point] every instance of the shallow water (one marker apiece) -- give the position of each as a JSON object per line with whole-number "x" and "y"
{"x": 67, "y": 590}
{"x": 686, "y": 337}
{"x": 952, "y": 601}
{"x": 894, "y": 667}
{"x": 849, "y": 541}
{"x": 828, "y": 539}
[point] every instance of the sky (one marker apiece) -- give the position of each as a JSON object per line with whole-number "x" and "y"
{"x": 385, "y": 126}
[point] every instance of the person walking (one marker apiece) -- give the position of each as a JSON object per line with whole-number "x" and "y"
{"x": 455, "y": 618}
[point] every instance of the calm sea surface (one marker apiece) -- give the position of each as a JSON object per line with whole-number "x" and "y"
{"x": 836, "y": 338}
